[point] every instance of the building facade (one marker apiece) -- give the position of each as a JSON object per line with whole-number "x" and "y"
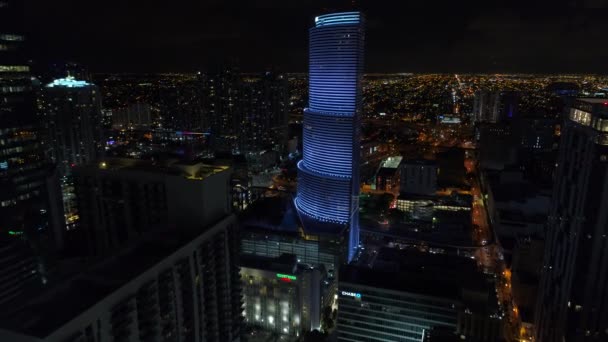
{"x": 328, "y": 175}
{"x": 72, "y": 132}
{"x": 270, "y": 228}
{"x": 28, "y": 206}
{"x": 221, "y": 107}
{"x": 136, "y": 115}
{"x": 404, "y": 296}
{"x": 273, "y": 244}
{"x": 71, "y": 120}
{"x": 279, "y": 295}
{"x": 263, "y": 124}
{"x": 165, "y": 288}
{"x": 389, "y": 174}
{"x": 495, "y": 106}
{"x": 120, "y": 199}
{"x": 573, "y": 274}
{"x": 419, "y": 177}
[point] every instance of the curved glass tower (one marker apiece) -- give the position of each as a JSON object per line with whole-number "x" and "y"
{"x": 328, "y": 175}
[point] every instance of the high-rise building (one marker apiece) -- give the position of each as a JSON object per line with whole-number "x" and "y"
{"x": 419, "y": 177}
{"x": 120, "y": 199}
{"x": 181, "y": 105}
{"x": 484, "y": 106}
{"x": 71, "y": 120}
{"x": 573, "y": 282}
{"x": 538, "y": 148}
{"x": 263, "y": 122}
{"x": 136, "y": 115}
{"x": 221, "y": 107}
{"x": 451, "y": 170}
{"x": 497, "y": 106}
{"x": 171, "y": 285}
{"x": 497, "y": 145}
{"x": 536, "y": 134}
{"x": 494, "y": 114}
{"x": 243, "y": 113}
{"x": 328, "y": 175}
{"x": 28, "y": 214}
{"x": 528, "y": 140}
{"x": 72, "y": 131}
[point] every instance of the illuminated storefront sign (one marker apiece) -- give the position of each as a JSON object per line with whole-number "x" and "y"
{"x": 351, "y": 294}
{"x": 286, "y": 276}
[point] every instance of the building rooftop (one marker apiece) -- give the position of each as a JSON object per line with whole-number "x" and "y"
{"x": 285, "y": 263}
{"x": 386, "y": 172}
{"x": 450, "y": 229}
{"x": 456, "y": 199}
{"x": 416, "y": 197}
{"x": 437, "y": 275}
{"x": 189, "y": 169}
{"x": 278, "y": 213}
{"x": 391, "y": 162}
{"x": 423, "y": 162}
{"x": 68, "y": 82}
{"x": 592, "y": 100}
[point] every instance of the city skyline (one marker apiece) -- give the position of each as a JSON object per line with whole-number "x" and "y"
{"x": 220, "y": 204}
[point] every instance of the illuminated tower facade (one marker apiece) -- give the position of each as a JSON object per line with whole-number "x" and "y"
{"x": 328, "y": 175}
{"x": 71, "y": 115}
{"x": 71, "y": 128}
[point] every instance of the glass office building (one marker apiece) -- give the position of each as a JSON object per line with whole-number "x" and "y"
{"x": 328, "y": 176}
{"x": 406, "y": 295}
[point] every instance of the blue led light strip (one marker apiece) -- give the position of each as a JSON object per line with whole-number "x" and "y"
{"x": 344, "y": 18}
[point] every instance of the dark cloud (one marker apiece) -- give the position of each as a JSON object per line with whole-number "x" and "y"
{"x": 517, "y": 35}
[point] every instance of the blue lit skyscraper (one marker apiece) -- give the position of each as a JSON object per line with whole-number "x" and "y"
{"x": 328, "y": 175}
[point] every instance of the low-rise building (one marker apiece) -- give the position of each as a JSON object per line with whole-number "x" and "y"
{"x": 405, "y": 294}
{"x": 388, "y": 175}
{"x": 423, "y": 207}
{"x": 281, "y": 295}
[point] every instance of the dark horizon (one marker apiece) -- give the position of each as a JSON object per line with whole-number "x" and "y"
{"x": 437, "y": 37}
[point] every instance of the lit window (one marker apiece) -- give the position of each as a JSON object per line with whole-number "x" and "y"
{"x": 14, "y": 68}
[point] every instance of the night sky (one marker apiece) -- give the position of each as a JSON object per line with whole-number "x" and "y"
{"x": 402, "y": 35}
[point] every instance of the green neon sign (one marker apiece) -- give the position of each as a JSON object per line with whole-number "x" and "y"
{"x": 286, "y": 276}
